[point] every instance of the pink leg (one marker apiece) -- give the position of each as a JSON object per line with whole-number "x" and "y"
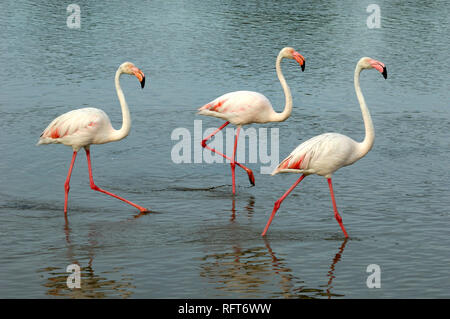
{"x": 251, "y": 177}
{"x": 233, "y": 161}
{"x": 96, "y": 188}
{"x": 277, "y": 204}
{"x": 336, "y": 214}
{"x": 67, "y": 183}
{"x": 211, "y": 135}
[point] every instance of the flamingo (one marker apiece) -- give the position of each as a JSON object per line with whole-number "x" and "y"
{"x": 246, "y": 107}
{"x": 83, "y": 127}
{"x": 326, "y": 153}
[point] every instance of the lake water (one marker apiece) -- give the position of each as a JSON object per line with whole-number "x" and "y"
{"x": 200, "y": 241}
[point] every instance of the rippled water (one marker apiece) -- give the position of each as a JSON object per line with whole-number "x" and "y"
{"x": 200, "y": 241}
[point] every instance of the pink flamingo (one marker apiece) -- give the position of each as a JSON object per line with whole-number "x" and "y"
{"x": 83, "y": 127}
{"x": 324, "y": 154}
{"x": 245, "y": 107}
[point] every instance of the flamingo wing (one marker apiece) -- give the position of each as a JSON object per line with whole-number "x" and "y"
{"x": 296, "y": 162}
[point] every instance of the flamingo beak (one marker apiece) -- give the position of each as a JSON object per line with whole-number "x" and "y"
{"x": 140, "y": 75}
{"x": 380, "y": 67}
{"x": 300, "y": 59}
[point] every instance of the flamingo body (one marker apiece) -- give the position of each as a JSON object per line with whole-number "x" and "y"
{"x": 83, "y": 127}
{"x": 240, "y": 108}
{"x": 246, "y": 107}
{"x": 78, "y": 128}
{"x": 326, "y": 153}
{"x": 321, "y": 155}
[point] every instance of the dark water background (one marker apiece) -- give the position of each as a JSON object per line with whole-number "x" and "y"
{"x": 203, "y": 242}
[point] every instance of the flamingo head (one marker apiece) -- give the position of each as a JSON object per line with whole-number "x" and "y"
{"x": 290, "y": 53}
{"x": 369, "y": 63}
{"x": 130, "y": 68}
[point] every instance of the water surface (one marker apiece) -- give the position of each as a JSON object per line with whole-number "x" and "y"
{"x": 200, "y": 241}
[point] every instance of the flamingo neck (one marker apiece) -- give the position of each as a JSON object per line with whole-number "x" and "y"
{"x": 366, "y": 145}
{"x": 280, "y": 117}
{"x": 126, "y": 119}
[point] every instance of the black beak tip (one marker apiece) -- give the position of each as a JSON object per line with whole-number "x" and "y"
{"x": 384, "y": 73}
{"x": 303, "y": 66}
{"x": 143, "y": 82}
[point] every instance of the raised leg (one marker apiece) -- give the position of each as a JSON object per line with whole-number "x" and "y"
{"x": 336, "y": 214}
{"x": 251, "y": 177}
{"x": 96, "y": 188}
{"x": 67, "y": 183}
{"x": 277, "y": 204}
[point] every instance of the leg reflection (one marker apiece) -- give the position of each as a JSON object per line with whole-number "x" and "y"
{"x": 336, "y": 259}
{"x": 249, "y": 208}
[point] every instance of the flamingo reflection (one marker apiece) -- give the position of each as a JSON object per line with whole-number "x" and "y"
{"x": 252, "y": 272}
{"x": 93, "y": 285}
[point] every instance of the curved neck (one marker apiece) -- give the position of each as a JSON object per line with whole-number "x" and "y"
{"x": 126, "y": 119}
{"x": 366, "y": 145}
{"x": 279, "y": 117}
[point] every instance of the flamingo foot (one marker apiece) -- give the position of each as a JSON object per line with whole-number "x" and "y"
{"x": 251, "y": 177}
{"x": 142, "y": 214}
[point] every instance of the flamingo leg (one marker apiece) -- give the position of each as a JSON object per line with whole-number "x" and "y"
{"x": 251, "y": 177}
{"x": 277, "y": 204}
{"x": 96, "y": 188}
{"x": 233, "y": 161}
{"x": 67, "y": 183}
{"x": 336, "y": 214}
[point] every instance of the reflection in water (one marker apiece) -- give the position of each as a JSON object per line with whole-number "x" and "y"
{"x": 249, "y": 208}
{"x": 335, "y": 261}
{"x": 92, "y": 285}
{"x": 254, "y": 272}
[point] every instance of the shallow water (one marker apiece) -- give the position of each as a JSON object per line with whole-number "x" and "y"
{"x": 200, "y": 241}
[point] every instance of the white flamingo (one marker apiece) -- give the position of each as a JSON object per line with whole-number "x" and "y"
{"x": 324, "y": 154}
{"x": 83, "y": 127}
{"x": 246, "y": 107}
